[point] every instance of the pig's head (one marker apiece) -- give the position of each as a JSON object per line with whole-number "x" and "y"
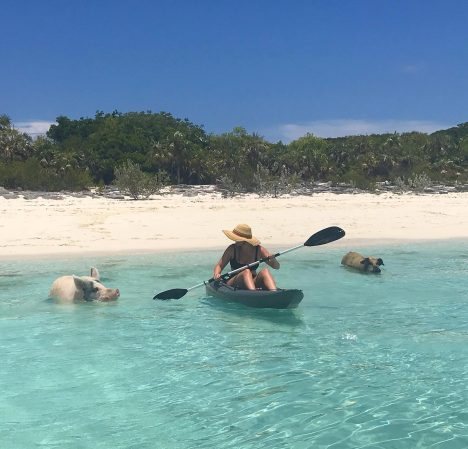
{"x": 92, "y": 289}
{"x": 372, "y": 264}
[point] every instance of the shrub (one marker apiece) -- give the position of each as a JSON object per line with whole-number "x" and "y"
{"x": 419, "y": 182}
{"x": 31, "y": 175}
{"x": 130, "y": 179}
{"x": 229, "y": 187}
{"x": 274, "y": 184}
{"x": 400, "y": 185}
{"x": 360, "y": 181}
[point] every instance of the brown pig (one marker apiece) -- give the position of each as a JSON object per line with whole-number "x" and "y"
{"x": 368, "y": 264}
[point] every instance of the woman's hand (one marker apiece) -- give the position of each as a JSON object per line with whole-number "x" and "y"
{"x": 270, "y": 259}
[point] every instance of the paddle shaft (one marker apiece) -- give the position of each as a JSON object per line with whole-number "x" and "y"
{"x": 322, "y": 237}
{"x": 232, "y": 273}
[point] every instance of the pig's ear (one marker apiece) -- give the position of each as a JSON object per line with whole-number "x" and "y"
{"x": 82, "y": 284}
{"x": 95, "y": 274}
{"x": 365, "y": 262}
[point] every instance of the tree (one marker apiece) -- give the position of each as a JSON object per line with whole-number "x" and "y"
{"x": 14, "y": 145}
{"x": 239, "y": 156}
{"x": 308, "y": 156}
{"x": 5, "y": 121}
{"x": 108, "y": 140}
{"x": 176, "y": 149}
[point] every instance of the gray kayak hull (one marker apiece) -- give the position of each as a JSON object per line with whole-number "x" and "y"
{"x": 278, "y": 299}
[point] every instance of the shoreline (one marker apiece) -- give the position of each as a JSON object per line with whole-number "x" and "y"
{"x": 73, "y": 226}
{"x": 345, "y": 244}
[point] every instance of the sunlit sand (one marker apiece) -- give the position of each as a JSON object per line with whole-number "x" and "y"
{"x": 76, "y": 225}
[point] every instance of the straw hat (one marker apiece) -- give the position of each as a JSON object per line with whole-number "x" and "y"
{"x": 242, "y": 233}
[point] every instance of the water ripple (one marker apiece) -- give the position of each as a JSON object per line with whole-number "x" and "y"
{"x": 364, "y": 362}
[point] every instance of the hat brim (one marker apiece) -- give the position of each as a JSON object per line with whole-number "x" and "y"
{"x": 230, "y": 235}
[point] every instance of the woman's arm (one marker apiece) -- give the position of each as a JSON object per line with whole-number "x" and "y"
{"x": 226, "y": 257}
{"x": 272, "y": 261}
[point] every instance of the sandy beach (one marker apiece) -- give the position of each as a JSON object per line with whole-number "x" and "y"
{"x": 60, "y": 225}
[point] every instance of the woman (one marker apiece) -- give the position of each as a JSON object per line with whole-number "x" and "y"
{"x": 245, "y": 250}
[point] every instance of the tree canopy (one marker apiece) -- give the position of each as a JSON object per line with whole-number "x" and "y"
{"x": 94, "y": 147}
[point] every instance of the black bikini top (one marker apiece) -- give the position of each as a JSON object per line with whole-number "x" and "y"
{"x": 235, "y": 264}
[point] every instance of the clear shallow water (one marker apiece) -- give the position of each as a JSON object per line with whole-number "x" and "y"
{"x": 364, "y": 362}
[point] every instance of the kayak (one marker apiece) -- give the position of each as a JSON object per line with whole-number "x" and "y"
{"x": 276, "y": 299}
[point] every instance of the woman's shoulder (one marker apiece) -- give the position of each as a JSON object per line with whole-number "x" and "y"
{"x": 229, "y": 249}
{"x": 263, "y": 250}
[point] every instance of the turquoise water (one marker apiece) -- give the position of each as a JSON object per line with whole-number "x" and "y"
{"x": 366, "y": 361}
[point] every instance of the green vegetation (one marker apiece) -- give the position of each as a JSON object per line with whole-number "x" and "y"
{"x": 130, "y": 179}
{"x": 159, "y": 148}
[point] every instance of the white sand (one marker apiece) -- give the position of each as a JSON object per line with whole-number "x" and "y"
{"x": 70, "y": 226}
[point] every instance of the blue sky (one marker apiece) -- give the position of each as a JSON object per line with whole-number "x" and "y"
{"x": 278, "y": 68}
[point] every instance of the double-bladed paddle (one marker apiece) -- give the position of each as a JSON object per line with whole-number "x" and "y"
{"x": 322, "y": 237}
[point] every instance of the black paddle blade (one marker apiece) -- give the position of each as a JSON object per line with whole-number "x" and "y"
{"x": 175, "y": 293}
{"x": 324, "y": 236}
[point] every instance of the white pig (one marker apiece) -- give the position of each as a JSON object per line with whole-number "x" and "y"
{"x": 77, "y": 288}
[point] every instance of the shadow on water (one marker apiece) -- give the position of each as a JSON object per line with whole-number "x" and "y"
{"x": 360, "y": 272}
{"x": 61, "y": 302}
{"x": 284, "y": 317}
